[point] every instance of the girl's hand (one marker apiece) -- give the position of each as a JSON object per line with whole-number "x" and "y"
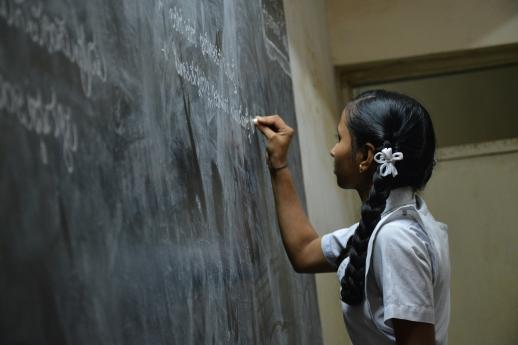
{"x": 279, "y": 136}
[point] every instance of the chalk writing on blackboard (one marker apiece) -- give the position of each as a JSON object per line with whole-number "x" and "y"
{"x": 274, "y": 31}
{"x": 53, "y": 34}
{"x": 47, "y": 118}
{"x": 228, "y": 102}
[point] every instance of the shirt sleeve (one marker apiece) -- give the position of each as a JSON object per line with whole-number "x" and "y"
{"x": 403, "y": 270}
{"x": 334, "y": 242}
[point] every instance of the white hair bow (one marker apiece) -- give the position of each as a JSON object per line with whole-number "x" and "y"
{"x": 387, "y": 159}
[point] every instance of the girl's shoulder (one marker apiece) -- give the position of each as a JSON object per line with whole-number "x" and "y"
{"x": 401, "y": 234}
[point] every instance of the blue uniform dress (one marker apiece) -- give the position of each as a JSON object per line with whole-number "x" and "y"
{"x": 407, "y": 272}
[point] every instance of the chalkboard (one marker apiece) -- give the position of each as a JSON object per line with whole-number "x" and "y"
{"x": 136, "y": 205}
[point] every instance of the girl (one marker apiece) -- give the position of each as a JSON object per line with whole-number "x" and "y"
{"x": 393, "y": 265}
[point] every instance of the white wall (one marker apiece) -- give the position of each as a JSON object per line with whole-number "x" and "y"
{"x": 317, "y": 116}
{"x": 478, "y": 197}
{"x": 370, "y": 30}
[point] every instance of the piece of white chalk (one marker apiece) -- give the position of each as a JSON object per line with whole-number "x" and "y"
{"x": 255, "y": 121}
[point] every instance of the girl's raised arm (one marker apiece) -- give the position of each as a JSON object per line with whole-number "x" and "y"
{"x": 301, "y": 241}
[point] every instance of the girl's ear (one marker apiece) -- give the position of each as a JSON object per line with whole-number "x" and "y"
{"x": 366, "y": 157}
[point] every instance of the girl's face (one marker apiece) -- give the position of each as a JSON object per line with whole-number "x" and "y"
{"x": 346, "y": 168}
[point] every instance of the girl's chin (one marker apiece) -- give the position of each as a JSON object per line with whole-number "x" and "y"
{"x": 342, "y": 182}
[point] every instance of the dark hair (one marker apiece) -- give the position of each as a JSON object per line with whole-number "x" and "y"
{"x": 385, "y": 119}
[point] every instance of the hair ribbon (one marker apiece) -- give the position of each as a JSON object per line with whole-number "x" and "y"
{"x": 387, "y": 159}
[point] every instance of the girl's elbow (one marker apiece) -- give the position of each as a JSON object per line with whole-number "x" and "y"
{"x": 298, "y": 269}
{"x": 298, "y": 266}
{"x": 301, "y": 266}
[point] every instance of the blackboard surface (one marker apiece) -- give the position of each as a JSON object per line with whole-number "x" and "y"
{"x": 135, "y": 203}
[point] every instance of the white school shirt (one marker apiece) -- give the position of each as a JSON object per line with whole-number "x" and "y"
{"x": 407, "y": 273}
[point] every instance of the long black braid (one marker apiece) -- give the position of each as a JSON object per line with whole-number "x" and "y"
{"x": 352, "y": 282}
{"x": 385, "y": 119}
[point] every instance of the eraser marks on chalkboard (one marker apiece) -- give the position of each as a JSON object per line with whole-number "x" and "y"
{"x": 44, "y": 155}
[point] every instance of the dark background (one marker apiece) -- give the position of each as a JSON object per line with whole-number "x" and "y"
{"x": 135, "y": 203}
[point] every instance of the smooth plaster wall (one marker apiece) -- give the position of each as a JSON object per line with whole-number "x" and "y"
{"x": 371, "y": 30}
{"x": 478, "y": 199}
{"x": 317, "y": 116}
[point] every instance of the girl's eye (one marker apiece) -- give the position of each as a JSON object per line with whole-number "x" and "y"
{"x": 337, "y": 137}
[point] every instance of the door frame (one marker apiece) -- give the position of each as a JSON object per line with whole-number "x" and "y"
{"x": 415, "y": 67}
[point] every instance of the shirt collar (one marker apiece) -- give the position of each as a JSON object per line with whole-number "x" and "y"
{"x": 399, "y": 197}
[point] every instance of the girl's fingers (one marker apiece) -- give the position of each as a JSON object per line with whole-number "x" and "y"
{"x": 268, "y": 133}
{"x": 273, "y": 121}
{"x": 278, "y": 135}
